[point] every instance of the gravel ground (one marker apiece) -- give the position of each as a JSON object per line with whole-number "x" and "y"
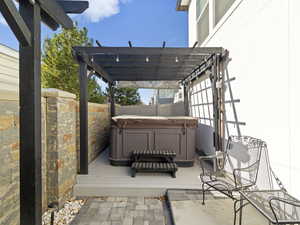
{"x": 65, "y": 215}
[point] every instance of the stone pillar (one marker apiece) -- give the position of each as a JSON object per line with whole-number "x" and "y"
{"x": 61, "y": 144}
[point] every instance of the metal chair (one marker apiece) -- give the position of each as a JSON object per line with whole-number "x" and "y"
{"x": 237, "y": 168}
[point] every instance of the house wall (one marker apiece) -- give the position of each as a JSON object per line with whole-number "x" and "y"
{"x": 263, "y": 39}
{"x": 60, "y": 138}
{"x": 9, "y": 69}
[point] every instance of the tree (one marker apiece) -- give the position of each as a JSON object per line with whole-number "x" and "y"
{"x": 127, "y": 96}
{"x": 59, "y": 69}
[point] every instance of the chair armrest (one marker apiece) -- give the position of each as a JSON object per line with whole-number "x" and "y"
{"x": 295, "y": 203}
{"x": 207, "y": 157}
{"x": 244, "y": 169}
{"x": 202, "y": 160}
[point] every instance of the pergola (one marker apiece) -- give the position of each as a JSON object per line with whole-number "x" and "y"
{"x": 26, "y": 25}
{"x": 117, "y": 64}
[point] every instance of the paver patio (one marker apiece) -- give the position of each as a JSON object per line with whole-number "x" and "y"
{"x": 121, "y": 211}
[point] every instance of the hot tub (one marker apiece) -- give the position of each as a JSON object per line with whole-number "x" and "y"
{"x": 130, "y": 133}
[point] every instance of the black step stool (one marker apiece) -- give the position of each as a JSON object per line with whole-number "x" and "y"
{"x": 154, "y": 161}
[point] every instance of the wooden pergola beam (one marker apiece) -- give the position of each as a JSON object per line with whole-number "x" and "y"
{"x": 74, "y": 7}
{"x": 152, "y": 63}
{"x": 15, "y": 22}
{"x": 144, "y": 51}
{"x": 132, "y": 67}
{"x": 56, "y": 13}
{"x": 94, "y": 66}
{"x": 150, "y": 70}
{"x": 60, "y": 8}
{"x": 142, "y": 77}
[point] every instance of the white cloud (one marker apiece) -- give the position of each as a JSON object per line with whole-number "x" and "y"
{"x": 100, "y": 9}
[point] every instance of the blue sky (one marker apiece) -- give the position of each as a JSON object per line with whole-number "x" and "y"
{"x": 115, "y": 22}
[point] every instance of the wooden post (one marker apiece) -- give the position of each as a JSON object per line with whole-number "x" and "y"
{"x": 186, "y": 100}
{"x": 216, "y": 115}
{"x": 30, "y": 119}
{"x": 83, "y": 107}
{"x": 112, "y": 99}
{"x": 157, "y": 103}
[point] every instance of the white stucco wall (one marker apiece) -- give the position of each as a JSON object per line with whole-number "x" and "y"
{"x": 9, "y": 69}
{"x": 192, "y": 23}
{"x": 263, "y": 39}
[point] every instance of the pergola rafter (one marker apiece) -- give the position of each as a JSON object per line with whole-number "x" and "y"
{"x": 140, "y": 63}
{"x": 144, "y": 51}
{"x": 92, "y": 65}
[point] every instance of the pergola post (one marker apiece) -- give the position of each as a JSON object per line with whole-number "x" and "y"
{"x": 30, "y": 119}
{"x": 216, "y": 105}
{"x": 83, "y": 111}
{"x": 186, "y": 100}
{"x": 26, "y": 25}
{"x": 112, "y": 99}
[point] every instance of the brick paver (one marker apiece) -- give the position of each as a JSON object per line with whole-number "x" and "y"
{"x": 121, "y": 211}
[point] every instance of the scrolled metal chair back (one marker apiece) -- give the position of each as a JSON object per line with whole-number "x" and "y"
{"x": 242, "y": 159}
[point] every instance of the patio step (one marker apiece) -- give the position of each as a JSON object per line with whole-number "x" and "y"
{"x": 158, "y": 167}
{"x": 154, "y": 161}
{"x": 153, "y": 154}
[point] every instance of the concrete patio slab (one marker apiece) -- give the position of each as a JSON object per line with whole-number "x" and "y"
{"x": 187, "y": 208}
{"x": 107, "y": 180}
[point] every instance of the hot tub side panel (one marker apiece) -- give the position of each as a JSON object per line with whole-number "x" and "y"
{"x": 125, "y": 140}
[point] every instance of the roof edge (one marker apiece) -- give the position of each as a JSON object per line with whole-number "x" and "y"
{"x": 181, "y": 7}
{"x": 8, "y": 51}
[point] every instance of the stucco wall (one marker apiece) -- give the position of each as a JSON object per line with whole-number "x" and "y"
{"x": 263, "y": 39}
{"x": 59, "y": 147}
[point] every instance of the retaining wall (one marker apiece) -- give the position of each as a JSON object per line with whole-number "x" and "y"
{"x": 60, "y": 147}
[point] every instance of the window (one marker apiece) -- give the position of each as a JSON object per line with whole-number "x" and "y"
{"x": 221, "y": 7}
{"x": 203, "y": 26}
{"x": 202, "y": 13}
{"x": 200, "y": 5}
